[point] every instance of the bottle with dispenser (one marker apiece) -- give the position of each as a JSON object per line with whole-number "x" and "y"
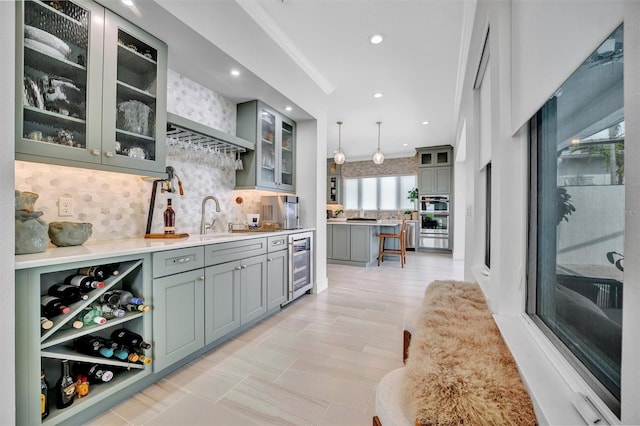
{"x": 169, "y": 219}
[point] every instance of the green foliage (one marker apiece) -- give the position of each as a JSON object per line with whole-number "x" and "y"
{"x": 413, "y": 195}
{"x": 564, "y": 206}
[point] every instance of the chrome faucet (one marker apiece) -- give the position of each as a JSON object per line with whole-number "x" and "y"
{"x": 203, "y": 223}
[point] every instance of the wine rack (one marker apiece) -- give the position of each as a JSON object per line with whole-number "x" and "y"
{"x": 45, "y": 349}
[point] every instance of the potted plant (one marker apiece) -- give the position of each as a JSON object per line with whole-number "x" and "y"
{"x": 339, "y": 213}
{"x": 407, "y": 214}
{"x": 413, "y": 196}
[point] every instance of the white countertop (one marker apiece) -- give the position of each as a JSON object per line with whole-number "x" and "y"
{"x": 101, "y": 249}
{"x": 379, "y": 222}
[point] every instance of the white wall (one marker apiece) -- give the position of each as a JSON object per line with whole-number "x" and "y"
{"x": 535, "y": 46}
{"x": 7, "y": 232}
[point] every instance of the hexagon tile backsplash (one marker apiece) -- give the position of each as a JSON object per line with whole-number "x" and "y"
{"x": 117, "y": 204}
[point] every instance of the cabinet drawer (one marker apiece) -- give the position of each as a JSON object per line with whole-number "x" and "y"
{"x": 176, "y": 261}
{"x": 277, "y": 243}
{"x": 216, "y": 254}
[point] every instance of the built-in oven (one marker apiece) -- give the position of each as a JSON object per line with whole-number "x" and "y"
{"x": 434, "y": 204}
{"x": 300, "y": 265}
{"x": 434, "y": 230}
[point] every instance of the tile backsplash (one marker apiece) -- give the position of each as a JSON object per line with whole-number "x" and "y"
{"x": 117, "y": 204}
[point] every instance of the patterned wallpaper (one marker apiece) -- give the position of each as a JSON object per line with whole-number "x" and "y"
{"x": 390, "y": 167}
{"x": 117, "y": 204}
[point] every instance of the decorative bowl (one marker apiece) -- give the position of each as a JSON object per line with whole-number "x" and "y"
{"x": 64, "y": 234}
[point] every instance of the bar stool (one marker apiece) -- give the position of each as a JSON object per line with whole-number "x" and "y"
{"x": 401, "y": 250}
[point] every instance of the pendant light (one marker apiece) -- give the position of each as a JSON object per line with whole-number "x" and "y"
{"x": 378, "y": 157}
{"x": 339, "y": 157}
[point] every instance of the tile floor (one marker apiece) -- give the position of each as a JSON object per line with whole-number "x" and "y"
{"x": 316, "y": 362}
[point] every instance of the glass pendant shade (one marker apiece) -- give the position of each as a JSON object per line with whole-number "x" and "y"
{"x": 378, "y": 157}
{"x": 339, "y": 158}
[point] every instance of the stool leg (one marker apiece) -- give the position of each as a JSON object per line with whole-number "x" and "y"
{"x": 380, "y": 246}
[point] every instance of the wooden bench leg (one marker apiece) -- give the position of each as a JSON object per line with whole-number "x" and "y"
{"x": 405, "y": 343}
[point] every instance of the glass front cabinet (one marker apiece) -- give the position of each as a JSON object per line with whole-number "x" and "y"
{"x": 93, "y": 89}
{"x": 272, "y": 165}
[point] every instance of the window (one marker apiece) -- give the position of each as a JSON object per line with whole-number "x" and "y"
{"x": 379, "y": 193}
{"x": 487, "y": 218}
{"x": 577, "y": 214}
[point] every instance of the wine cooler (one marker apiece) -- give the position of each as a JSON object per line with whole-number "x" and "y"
{"x": 300, "y": 265}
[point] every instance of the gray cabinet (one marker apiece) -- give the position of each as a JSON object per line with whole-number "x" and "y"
{"x": 222, "y": 300}
{"x": 178, "y": 299}
{"x": 341, "y": 242}
{"x": 329, "y": 241}
{"x": 38, "y": 348}
{"x": 235, "y": 285}
{"x": 435, "y": 170}
{"x": 277, "y": 272}
{"x": 360, "y": 243}
{"x": 94, "y": 94}
{"x": 272, "y": 165}
{"x": 435, "y": 180}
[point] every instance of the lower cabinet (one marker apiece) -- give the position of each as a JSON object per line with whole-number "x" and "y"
{"x": 277, "y": 279}
{"x": 43, "y": 346}
{"x": 235, "y": 293}
{"x": 178, "y": 329}
{"x": 341, "y": 242}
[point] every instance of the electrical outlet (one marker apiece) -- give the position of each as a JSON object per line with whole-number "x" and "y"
{"x": 65, "y": 206}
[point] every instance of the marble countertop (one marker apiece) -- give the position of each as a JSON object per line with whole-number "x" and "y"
{"x": 100, "y": 249}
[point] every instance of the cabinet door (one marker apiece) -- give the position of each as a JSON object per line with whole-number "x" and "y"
{"x": 59, "y": 86}
{"x": 341, "y": 242}
{"x": 286, "y": 145}
{"x": 360, "y": 243}
{"x": 267, "y": 156}
{"x": 253, "y": 288}
{"x": 178, "y": 313}
{"x": 329, "y": 241}
{"x": 427, "y": 180}
{"x": 134, "y": 97}
{"x": 443, "y": 180}
{"x": 221, "y": 300}
{"x": 277, "y": 279}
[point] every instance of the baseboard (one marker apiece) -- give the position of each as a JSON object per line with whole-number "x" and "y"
{"x": 321, "y": 285}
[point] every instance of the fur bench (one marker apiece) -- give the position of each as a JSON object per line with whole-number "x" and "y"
{"x": 458, "y": 370}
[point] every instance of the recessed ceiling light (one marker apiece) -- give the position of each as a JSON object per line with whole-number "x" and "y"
{"x": 377, "y": 95}
{"x": 235, "y": 72}
{"x": 127, "y": 2}
{"x": 288, "y": 108}
{"x": 425, "y": 122}
{"x": 376, "y": 38}
{"x": 405, "y": 144}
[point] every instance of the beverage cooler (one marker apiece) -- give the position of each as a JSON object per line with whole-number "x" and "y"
{"x": 300, "y": 265}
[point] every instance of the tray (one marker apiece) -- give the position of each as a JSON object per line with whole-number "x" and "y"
{"x": 166, "y": 236}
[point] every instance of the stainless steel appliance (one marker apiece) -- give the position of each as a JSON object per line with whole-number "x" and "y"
{"x": 434, "y": 203}
{"x": 300, "y": 265}
{"x": 410, "y": 242}
{"x": 281, "y": 209}
{"x": 434, "y": 223}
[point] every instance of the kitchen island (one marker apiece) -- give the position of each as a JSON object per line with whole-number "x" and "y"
{"x": 355, "y": 242}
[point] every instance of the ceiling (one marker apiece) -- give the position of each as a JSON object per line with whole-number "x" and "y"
{"x": 415, "y": 67}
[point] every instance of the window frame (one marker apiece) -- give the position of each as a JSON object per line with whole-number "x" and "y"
{"x": 400, "y": 197}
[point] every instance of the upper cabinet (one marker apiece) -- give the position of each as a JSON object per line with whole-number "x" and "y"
{"x": 435, "y": 170}
{"x": 92, "y": 91}
{"x": 334, "y": 182}
{"x": 272, "y": 165}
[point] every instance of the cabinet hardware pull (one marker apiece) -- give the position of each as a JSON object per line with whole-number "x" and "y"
{"x": 243, "y": 266}
{"x": 200, "y": 278}
{"x": 237, "y": 268}
{"x": 95, "y": 152}
{"x": 269, "y": 260}
{"x": 108, "y": 154}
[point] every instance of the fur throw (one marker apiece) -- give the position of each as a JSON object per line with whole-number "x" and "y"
{"x": 459, "y": 370}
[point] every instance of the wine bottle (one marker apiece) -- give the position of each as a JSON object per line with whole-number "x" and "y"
{"x": 67, "y": 293}
{"x": 90, "y": 345}
{"x": 84, "y": 282}
{"x": 129, "y": 338}
{"x": 44, "y": 396}
{"x": 126, "y": 298}
{"x": 132, "y": 307}
{"x": 100, "y": 272}
{"x": 45, "y": 323}
{"x": 51, "y": 306}
{"x": 82, "y": 386}
{"x": 107, "y": 343}
{"x": 109, "y": 311}
{"x": 65, "y": 387}
{"x": 90, "y": 316}
{"x": 169, "y": 219}
{"x": 143, "y": 359}
{"x": 133, "y": 357}
{"x": 110, "y": 297}
{"x": 73, "y": 324}
{"x": 95, "y": 373}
